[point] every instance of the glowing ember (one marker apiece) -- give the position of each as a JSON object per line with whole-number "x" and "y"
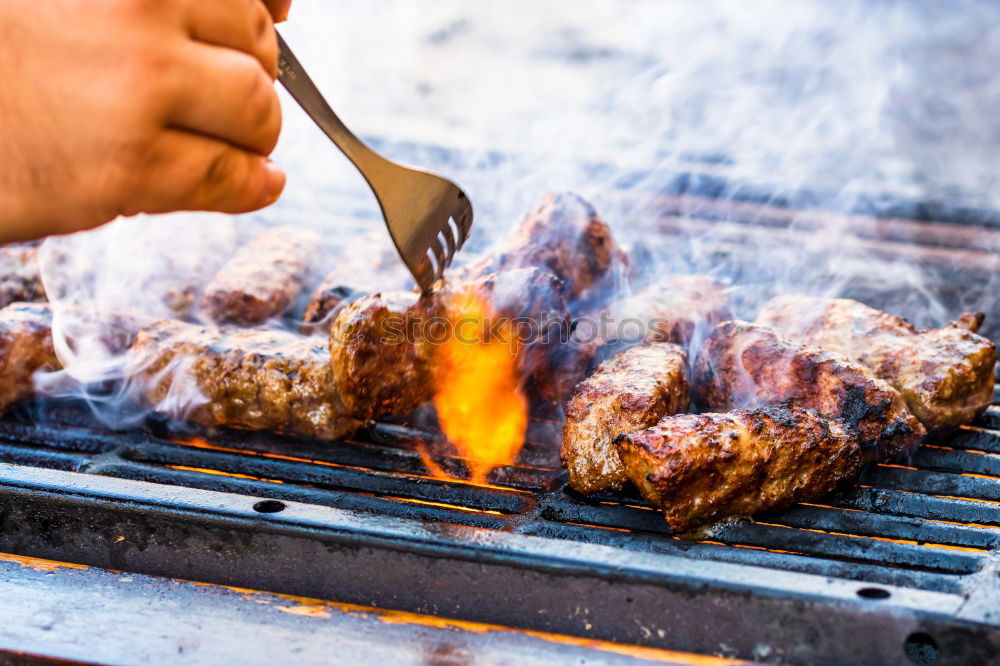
{"x": 479, "y": 403}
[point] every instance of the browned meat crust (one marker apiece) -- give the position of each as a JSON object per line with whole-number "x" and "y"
{"x": 679, "y": 306}
{"x": 672, "y": 310}
{"x": 371, "y": 265}
{"x": 264, "y": 277}
{"x": 20, "y": 278}
{"x": 380, "y": 359}
{"x": 745, "y": 365}
{"x": 382, "y": 346}
{"x": 328, "y": 299}
{"x": 700, "y": 468}
{"x": 565, "y": 236}
{"x": 25, "y": 348}
{"x": 241, "y": 378}
{"x": 946, "y": 375}
{"x": 631, "y": 391}
{"x": 549, "y": 359}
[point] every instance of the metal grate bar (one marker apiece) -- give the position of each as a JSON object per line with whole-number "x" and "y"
{"x": 828, "y": 519}
{"x": 953, "y": 460}
{"x": 935, "y": 483}
{"x": 907, "y": 503}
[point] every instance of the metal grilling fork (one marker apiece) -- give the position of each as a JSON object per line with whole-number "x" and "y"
{"x": 429, "y": 217}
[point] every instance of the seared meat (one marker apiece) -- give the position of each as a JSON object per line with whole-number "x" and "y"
{"x": 380, "y": 359}
{"x": 20, "y": 278}
{"x": 189, "y": 269}
{"x": 25, "y": 348}
{"x": 371, "y": 265}
{"x": 676, "y": 308}
{"x": 745, "y": 365}
{"x": 158, "y": 266}
{"x": 673, "y": 310}
{"x": 264, "y": 277}
{"x": 328, "y": 299}
{"x": 241, "y": 378}
{"x": 946, "y": 375}
{"x": 631, "y": 391}
{"x": 564, "y": 236}
{"x": 704, "y": 467}
{"x": 549, "y": 359}
{"x": 382, "y": 346}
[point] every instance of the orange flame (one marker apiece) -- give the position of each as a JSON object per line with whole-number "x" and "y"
{"x": 479, "y": 403}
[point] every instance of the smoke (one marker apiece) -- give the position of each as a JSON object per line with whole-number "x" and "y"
{"x": 861, "y": 104}
{"x": 833, "y": 107}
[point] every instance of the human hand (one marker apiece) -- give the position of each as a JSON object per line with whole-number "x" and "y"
{"x": 116, "y": 107}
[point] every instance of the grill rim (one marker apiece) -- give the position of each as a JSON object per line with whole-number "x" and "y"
{"x": 55, "y": 509}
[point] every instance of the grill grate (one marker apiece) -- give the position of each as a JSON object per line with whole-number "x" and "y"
{"x": 928, "y": 525}
{"x": 905, "y": 562}
{"x": 918, "y": 541}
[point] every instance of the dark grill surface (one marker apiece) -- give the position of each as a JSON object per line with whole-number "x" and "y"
{"x": 928, "y": 525}
{"x": 902, "y": 564}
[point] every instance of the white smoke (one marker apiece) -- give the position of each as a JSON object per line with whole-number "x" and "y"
{"x": 855, "y": 100}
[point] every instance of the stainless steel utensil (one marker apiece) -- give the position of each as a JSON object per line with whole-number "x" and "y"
{"x": 429, "y": 217}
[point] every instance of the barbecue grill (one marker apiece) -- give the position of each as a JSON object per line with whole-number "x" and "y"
{"x": 902, "y": 565}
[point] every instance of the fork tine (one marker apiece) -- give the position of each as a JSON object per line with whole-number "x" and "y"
{"x": 442, "y": 256}
{"x": 463, "y": 219}
{"x": 447, "y": 238}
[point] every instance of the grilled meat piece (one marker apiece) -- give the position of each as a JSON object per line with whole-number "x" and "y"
{"x": 381, "y": 361}
{"x": 328, "y": 299}
{"x": 946, "y": 375}
{"x": 628, "y": 392}
{"x": 20, "y": 277}
{"x": 371, "y": 265}
{"x": 382, "y": 346}
{"x": 746, "y": 365}
{"x": 565, "y": 236}
{"x": 678, "y": 307}
{"x": 549, "y": 359}
{"x": 25, "y": 348}
{"x": 677, "y": 310}
{"x": 264, "y": 277}
{"x": 705, "y": 467}
{"x": 242, "y": 378}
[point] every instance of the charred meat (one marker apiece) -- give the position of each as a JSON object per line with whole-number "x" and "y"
{"x": 700, "y": 468}
{"x": 25, "y": 348}
{"x": 240, "y": 378}
{"x": 264, "y": 277}
{"x": 628, "y": 392}
{"x": 382, "y": 346}
{"x": 371, "y": 266}
{"x": 678, "y": 307}
{"x": 945, "y": 374}
{"x": 328, "y": 299}
{"x": 381, "y": 362}
{"x": 550, "y": 360}
{"x": 675, "y": 310}
{"x": 20, "y": 278}
{"x": 565, "y": 236}
{"x": 746, "y": 365}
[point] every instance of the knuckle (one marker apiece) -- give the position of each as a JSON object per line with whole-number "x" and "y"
{"x": 261, "y": 20}
{"x": 225, "y": 177}
{"x": 121, "y": 178}
{"x": 221, "y": 172}
{"x": 261, "y": 109}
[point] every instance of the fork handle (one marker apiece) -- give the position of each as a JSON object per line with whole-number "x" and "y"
{"x": 293, "y": 76}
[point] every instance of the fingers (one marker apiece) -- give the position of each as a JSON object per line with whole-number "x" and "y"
{"x": 185, "y": 171}
{"x": 243, "y": 25}
{"x": 279, "y": 9}
{"x": 224, "y": 94}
